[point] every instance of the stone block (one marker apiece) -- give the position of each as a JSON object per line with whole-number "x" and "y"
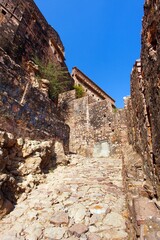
{"x": 144, "y": 209}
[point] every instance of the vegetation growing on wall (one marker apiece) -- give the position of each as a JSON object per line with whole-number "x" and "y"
{"x": 79, "y": 91}
{"x": 57, "y": 76}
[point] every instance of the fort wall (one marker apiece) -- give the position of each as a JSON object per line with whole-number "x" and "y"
{"x": 25, "y": 31}
{"x": 143, "y": 109}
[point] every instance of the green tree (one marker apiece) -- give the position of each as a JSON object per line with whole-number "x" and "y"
{"x": 57, "y": 76}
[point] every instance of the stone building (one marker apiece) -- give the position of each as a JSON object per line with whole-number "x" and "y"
{"x": 92, "y": 90}
{"x": 91, "y": 118}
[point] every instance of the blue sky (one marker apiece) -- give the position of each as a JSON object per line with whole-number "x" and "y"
{"x": 101, "y": 37}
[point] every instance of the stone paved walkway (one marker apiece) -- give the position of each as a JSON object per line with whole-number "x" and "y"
{"x": 84, "y": 200}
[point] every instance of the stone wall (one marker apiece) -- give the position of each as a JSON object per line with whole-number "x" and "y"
{"x": 91, "y": 125}
{"x": 25, "y": 31}
{"x": 150, "y": 57}
{"x": 140, "y": 128}
{"x": 143, "y": 109}
{"x": 25, "y": 35}
{"x": 33, "y": 136}
{"x": 25, "y": 110}
{"x": 25, "y": 106}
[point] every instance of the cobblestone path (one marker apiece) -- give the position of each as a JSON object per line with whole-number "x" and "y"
{"x": 83, "y": 200}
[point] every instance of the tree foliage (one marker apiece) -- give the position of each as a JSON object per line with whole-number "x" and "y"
{"x": 79, "y": 91}
{"x": 57, "y": 76}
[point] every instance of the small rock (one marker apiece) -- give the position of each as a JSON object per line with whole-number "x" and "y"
{"x": 92, "y": 229}
{"x": 33, "y": 232}
{"x": 22, "y": 198}
{"x": 72, "y": 238}
{"x": 3, "y": 161}
{"x": 6, "y": 208}
{"x": 99, "y": 209}
{"x": 10, "y": 140}
{"x": 59, "y": 218}
{"x": 78, "y": 229}
{"x": 158, "y": 234}
{"x": 83, "y": 237}
{"x": 45, "y": 81}
{"x": 115, "y": 220}
{"x": 60, "y": 156}
{"x": 78, "y": 212}
{"x": 20, "y": 141}
{"x": 32, "y": 165}
{"x": 93, "y": 236}
{"x": 55, "y": 233}
{"x": 96, "y": 218}
{"x": 33, "y": 215}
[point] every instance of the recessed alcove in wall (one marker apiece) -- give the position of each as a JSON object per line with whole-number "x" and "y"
{"x": 4, "y": 12}
{"x": 152, "y": 35}
{"x": 101, "y": 149}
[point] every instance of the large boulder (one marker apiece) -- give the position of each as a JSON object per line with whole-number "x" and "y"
{"x": 23, "y": 165}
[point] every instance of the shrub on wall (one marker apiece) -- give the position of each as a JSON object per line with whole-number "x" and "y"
{"x": 56, "y": 75}
{"x": 79, "y": 91}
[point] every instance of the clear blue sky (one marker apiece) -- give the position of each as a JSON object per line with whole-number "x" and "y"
{"x": 101, "y": 37}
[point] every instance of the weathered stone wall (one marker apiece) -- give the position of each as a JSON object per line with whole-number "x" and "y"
{"x": 25, "y": 110}
{"x": 143, "y": 109}
{"x": 101, "y": 119}
{"x": 77, "y": 117}
{"x": 139, "y": 125}
{"x": 33, "y": 137}
{"x": 91, "y": 124}
{"x": 150, "y": 57}
{"x": 25, "y": 31}
{"x": 25, "y": 35}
